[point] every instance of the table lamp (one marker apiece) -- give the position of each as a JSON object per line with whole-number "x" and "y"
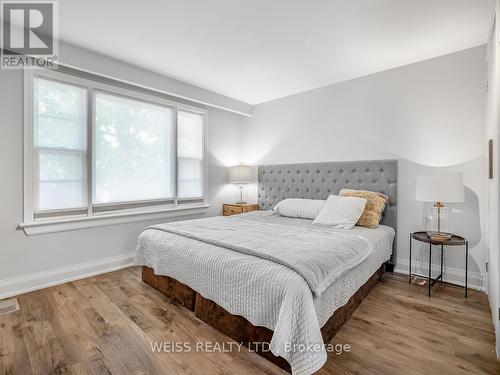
{"x": 242, "y": 175}
{"x": 439, "y": 188}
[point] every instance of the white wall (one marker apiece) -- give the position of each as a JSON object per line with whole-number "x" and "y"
{"x": 429, "y": 115}
{"x": 27, "y": 262}
{"x": 492, "y": 132}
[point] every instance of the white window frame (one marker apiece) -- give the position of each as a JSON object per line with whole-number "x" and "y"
{"x": 113, "y": 213}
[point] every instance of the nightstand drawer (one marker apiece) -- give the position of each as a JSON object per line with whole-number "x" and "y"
{"x": 235, "y": 209}
{"x": 229, "y": 210}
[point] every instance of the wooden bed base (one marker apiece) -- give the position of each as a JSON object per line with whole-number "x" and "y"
{"x": 240, "y": 329}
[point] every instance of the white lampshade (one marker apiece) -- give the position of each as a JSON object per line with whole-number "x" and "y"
{"x": 242, "y": 174}
{"x": 444, "y": 187}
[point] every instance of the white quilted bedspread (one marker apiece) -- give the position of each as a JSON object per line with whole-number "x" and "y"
{"x": 319, "y": 255}
{"x": 266, "y": 293}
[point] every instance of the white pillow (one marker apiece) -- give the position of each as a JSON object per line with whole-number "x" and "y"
{"x": 341, "y": 212}
{"x": 297, "y": 207}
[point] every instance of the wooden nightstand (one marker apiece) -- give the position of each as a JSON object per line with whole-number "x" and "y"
{"x": 229, "y": 209}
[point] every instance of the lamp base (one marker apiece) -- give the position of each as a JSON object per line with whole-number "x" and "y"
{"x": 438, "y": 223}
{"x": 241, "y": 202}
{"x": 439, "y": 236}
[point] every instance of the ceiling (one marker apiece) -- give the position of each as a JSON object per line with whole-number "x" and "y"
{"x": 260, "y": 50}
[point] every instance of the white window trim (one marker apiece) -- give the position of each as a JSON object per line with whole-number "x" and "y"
{"x": 32, "y": 226}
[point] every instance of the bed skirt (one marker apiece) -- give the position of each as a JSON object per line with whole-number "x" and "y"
{"x": 237, "y": 327}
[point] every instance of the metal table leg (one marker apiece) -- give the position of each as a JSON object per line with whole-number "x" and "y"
{"x": 441, "y": 265}
{"x": 430, "y": 268}
{"x": 466, "y": 264}
{"x": 409, "y": 271}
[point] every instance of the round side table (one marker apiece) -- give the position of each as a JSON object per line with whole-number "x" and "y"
{"x": 453, "y": 241}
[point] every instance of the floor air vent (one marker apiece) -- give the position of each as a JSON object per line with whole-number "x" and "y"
{"x": 8, "y": 305}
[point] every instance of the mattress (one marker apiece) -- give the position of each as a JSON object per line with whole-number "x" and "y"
{"x": 267, "y": 294}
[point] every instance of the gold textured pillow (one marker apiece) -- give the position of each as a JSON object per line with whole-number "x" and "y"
{"x": 375, "y": 206}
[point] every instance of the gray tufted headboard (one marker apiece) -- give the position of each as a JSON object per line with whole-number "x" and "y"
{"x": 319, "y": 180}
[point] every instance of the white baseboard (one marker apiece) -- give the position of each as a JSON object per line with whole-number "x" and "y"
{"x": 451, "y": 275}
{"x": 39, "y": 280}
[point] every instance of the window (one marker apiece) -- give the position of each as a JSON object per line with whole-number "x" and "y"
{"x": 190, "y": 154}
{"x": 133, "y": 151}
{"x": 60, "y": 146}
{"x": 93, "y": 150}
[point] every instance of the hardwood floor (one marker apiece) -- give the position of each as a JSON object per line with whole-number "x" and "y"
{"x": 106, "y": 324}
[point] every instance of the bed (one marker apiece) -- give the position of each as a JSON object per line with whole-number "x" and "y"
{"x": 255, "y": 299}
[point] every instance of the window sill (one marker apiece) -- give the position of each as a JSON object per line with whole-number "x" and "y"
{"x": 69, "y": 224}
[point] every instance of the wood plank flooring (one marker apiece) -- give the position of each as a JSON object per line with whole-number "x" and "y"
{"x": 106, "y": 324}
